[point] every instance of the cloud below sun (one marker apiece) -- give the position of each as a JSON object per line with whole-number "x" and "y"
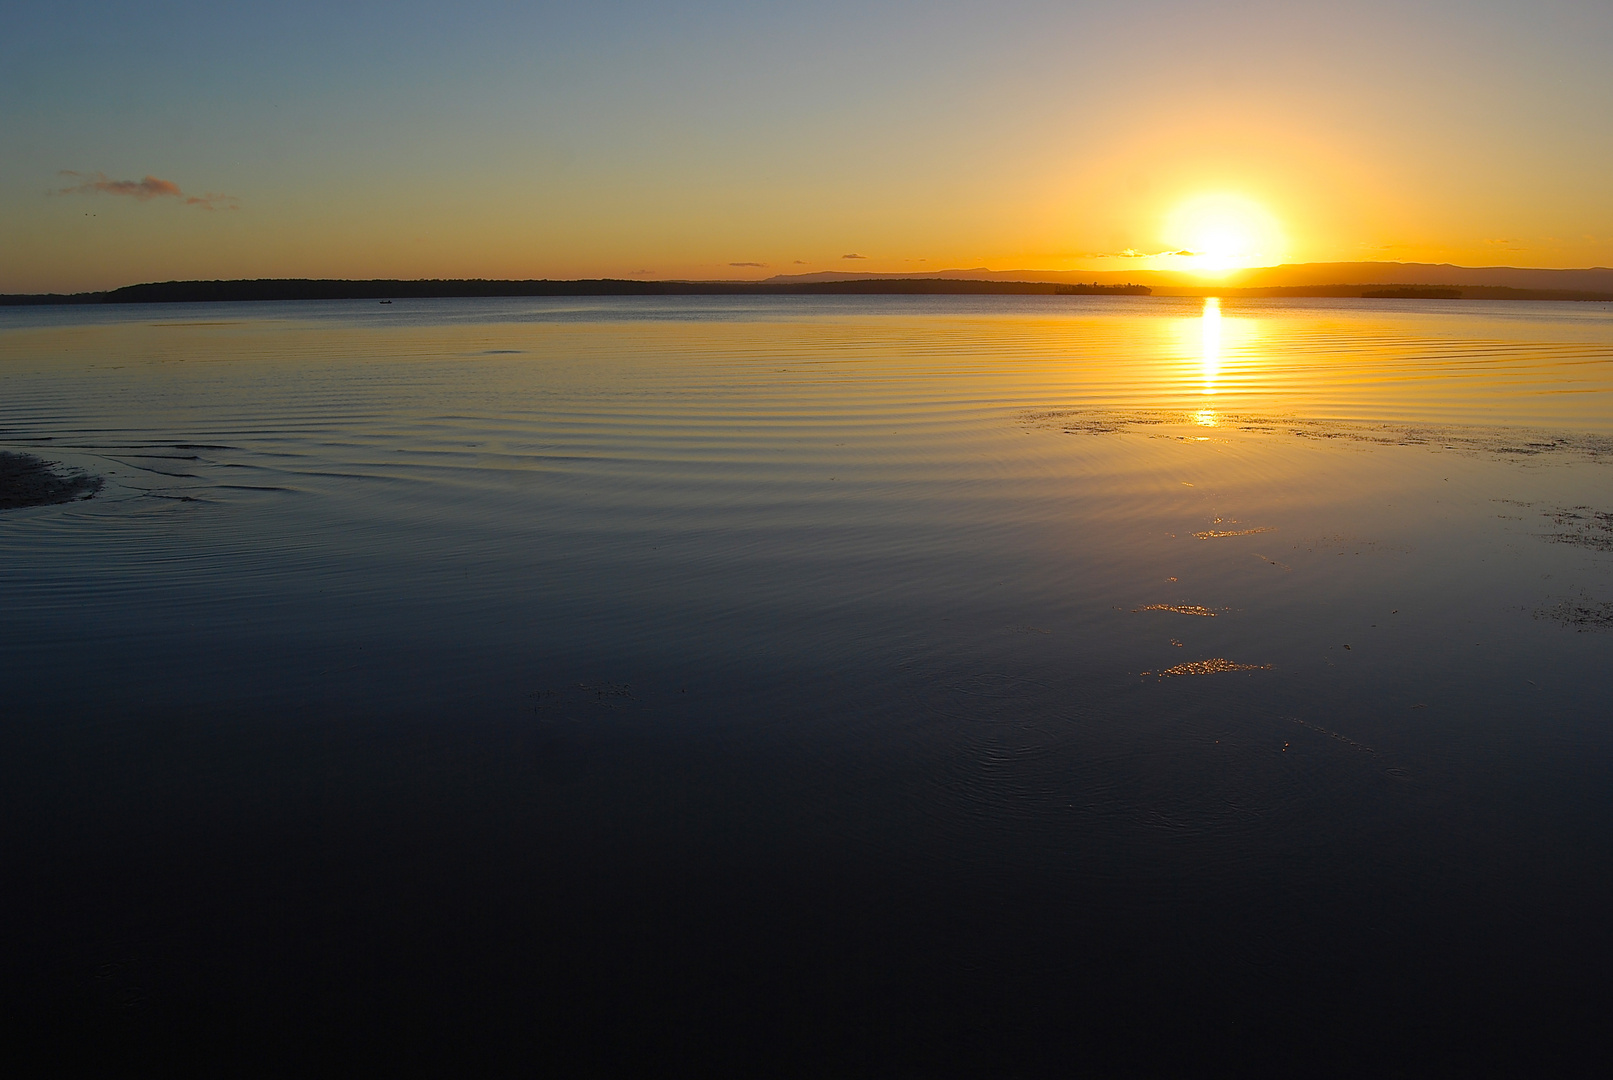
{"x": 143, "y": 190}
{"x": 1133, "y": 253}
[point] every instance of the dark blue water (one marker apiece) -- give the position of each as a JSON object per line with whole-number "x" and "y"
{"x": 870, "y": 686}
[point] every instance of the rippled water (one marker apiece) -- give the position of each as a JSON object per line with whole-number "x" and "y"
{"x": 868, "y": 684}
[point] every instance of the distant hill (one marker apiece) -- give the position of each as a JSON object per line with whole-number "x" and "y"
{"x": 1344, "y": 279}
{"x": 1596, "y": 279}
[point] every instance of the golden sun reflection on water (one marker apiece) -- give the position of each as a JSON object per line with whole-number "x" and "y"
{"x": 1210, "y": 337}
{"x": 1225, "y": 360}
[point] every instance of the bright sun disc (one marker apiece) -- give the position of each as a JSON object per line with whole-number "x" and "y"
{"x": 1220, "y": 232}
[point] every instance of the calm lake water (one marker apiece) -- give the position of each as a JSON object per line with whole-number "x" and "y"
{"x": 835, "y": 686}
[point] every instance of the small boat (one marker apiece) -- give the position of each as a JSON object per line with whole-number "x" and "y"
{"x": 386, "y": 301}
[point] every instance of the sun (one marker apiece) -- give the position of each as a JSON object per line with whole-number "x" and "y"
{"x": 1216, "y": 232}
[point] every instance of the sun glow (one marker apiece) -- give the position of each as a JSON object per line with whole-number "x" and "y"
{"x": 1218, "y": 232}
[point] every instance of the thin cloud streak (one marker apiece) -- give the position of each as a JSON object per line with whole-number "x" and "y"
{"x": 1133, "y": 253}
{"x": 143, "y": 190}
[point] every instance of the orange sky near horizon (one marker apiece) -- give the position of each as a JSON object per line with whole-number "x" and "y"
{"x": 718, "y": 141}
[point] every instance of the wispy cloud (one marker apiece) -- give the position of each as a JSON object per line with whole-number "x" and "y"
{"x": 143, "y": 190}
{"x": 747, "y": 264}
{"x": 98, "y": 183}
{"x": 854, "y": 255}
{"x": 1133, "y": 253}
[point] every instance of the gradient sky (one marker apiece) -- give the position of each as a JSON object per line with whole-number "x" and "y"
{"x": 667, "y": 140}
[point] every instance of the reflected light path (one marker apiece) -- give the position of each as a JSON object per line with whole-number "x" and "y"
{"x": 1210, "y": 333}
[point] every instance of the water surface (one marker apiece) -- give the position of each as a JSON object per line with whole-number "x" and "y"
{"x": 875, "y": 684}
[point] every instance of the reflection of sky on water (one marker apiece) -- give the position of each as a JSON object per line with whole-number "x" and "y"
{"x": 788, "y": 631}
{"x": 1452, "y": 362}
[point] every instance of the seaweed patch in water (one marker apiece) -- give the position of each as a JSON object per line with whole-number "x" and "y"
{"x": 1214, "y": 666}
{"x": 1583, "y": 527}
{"x": 1582, "y": 615}
{"x": 1213, "y": 534}
{"x": 1503, "y": 443}
{"x": 1098, "y": 421}
{"x": 29, "y": 481}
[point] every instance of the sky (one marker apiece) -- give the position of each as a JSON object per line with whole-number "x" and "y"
{"x": 156, "y": 141}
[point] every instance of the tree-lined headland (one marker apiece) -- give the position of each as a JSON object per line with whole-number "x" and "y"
{"x": 196, "y": 292}
{"x": 1423, "y": 281}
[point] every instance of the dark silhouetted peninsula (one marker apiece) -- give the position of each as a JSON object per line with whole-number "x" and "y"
{"x": 1345, "y": 280}
{"x": 197, "y": 292}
